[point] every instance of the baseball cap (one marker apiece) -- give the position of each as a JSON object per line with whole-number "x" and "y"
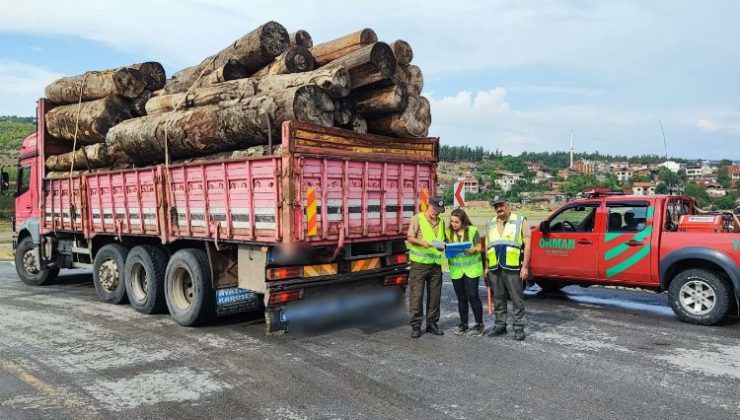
{"x": 438, "y": 203}
{"x": 499, "y": 199}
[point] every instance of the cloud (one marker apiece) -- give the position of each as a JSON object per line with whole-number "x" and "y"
{"x": 711, "y": 126}
{"x": 21, "y": 85}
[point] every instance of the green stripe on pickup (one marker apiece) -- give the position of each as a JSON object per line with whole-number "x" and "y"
{"x": 617, "y": 250}
{"x": 612, "y": 235}
{"x": 629, "y": 262}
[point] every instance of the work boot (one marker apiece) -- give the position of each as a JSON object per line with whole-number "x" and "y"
{"x": 496, "y": 331}
{"x": 461, "y": 329}
{"x": 478, "y": 330}
{"x": 434, "y": 329}
{"x": 519, "y": 335}
{"x": 415, "y": 332}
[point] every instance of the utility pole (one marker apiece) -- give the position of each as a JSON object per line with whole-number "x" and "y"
{"x": 571, "y": 149}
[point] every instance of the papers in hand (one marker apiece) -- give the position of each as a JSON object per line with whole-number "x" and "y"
{"x": 438, "y": 244}
{"x": 452, "y": 250}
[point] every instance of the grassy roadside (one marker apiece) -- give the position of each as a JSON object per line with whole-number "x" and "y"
{"x": 6, "y": 241}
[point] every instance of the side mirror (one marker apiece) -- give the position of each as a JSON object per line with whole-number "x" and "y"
{"x": 545, "y": 226}
{"x": 4, "y": 181}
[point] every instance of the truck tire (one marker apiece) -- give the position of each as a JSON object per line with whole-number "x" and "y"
{"x": 188, "y": 291}
{"x": 145, "y": 269}
{"x": 699, "y": 296}
{"x": 550, "y": 286}
{"x": 28, "y": 266}
{"x": 109, "y": 274}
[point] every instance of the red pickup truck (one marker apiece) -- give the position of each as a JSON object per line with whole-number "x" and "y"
{"x": 660, "y": 243}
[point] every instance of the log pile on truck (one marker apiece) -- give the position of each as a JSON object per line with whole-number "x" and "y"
{"x": 235, "y": 100}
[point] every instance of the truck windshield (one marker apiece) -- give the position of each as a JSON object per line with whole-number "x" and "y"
{"x": 23, "y": 180}
{"x": 575, "y": 219}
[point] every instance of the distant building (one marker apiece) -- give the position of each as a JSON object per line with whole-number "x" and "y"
{"x": 716, "y": 191}
{"x": 507, "y": 179}
{"x": 471, "y": 184}
{"x": 734, "y": 172}
{"x": 643, "y": 188}
{"x": 698, "y": 170}
{"x": 673, "y": 166}
{"x": 619, "y": 165}
{"x": 565, "y": 173}
{"x": 546, "y": 199}
{"x": 585, "y": 167}
{"x": 623, "y": 174}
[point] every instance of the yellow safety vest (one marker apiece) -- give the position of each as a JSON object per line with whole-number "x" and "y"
{"x": 429, "y": 255}
{"x": 509, "y": 244}
{"x": 464, "y": 264}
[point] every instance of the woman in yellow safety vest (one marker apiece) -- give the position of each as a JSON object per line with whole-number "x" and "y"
{"x": 465, "y": 271}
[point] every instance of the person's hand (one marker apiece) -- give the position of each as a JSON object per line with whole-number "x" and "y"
{"x": 471, "y": 251}
{"x": 426, "y": 244}
{"x": 524, "y": 273}
{"x": 487, "y": 279}
{"x": 485, "y": 272}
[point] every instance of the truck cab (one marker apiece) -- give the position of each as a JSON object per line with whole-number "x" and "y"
{"x": 659, "y": 243}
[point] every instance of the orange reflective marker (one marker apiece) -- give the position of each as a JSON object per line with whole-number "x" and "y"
{"x": 312, "y": 227}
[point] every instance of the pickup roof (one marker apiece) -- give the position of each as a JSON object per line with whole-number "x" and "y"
{"x": 660, "y": 243}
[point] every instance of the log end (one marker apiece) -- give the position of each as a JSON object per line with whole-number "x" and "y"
{"x": 274, "y": 39}
{"x": 403, "y": 52}
{"x": 301, "y": 38}
{"x": 382, "y": 57}
{"x": 299, "y": 60}
{"x": 129, "y": 82}
{"x": 368, "y": 36}
{"x": 232, "y": 70}
{"x": 154, "y": 74}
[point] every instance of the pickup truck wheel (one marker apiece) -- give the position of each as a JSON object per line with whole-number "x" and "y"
{"x": 109, "y": 276}
{"x": 28, "y": 265}
{"x": 699, "y": 296}
{"x": 188, "y": 291}
{"x": 145, "y": 268}
{"x": 550, "y": 286}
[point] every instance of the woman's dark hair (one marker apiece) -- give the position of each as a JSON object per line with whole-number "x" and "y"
{"x": 465, "y": 220}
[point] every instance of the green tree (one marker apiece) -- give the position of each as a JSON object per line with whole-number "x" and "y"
{"x": 661, "y": 188}
{"x": 728, "y": 202}
{"x": 723, "y": 177}
{"x": 698, "y": 192}
{"x": 667, "y": 176}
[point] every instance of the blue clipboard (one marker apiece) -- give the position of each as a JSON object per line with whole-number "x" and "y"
{"x": 452, "y": 250}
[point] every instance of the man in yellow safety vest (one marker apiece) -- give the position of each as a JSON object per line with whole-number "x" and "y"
{"x": 426, "y": 241}
{"x": 508, "y": 251}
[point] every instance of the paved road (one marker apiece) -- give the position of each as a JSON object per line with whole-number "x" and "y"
{"x": 590, "y": 353}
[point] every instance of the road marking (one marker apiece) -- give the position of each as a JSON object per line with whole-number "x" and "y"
{"x": 75, "y": 406}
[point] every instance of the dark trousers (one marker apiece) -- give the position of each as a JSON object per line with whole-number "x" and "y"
{"x": 423, "y": 276}
{"x": 507, "y": 285}
{"x": 466, "y": 289}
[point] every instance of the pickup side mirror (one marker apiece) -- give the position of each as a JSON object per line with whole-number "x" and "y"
{"x": 4, "y": 181}
{"x": 545, "y": 226}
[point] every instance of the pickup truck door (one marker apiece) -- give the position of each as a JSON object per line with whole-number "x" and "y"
{"x": 571, "y": 248}
{"x": 628, "y": 242}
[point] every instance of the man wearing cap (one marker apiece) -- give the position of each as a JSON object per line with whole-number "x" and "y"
{"x": 426, "y": 241}
{"x": 508, "y": 250}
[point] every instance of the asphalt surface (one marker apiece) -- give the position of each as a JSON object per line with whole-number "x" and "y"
{"x": 590, "y": 353}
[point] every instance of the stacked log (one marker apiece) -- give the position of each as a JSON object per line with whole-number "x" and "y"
{"x": 233, "y": 102}
{"x": 254, "y": 50}
{"x": 231, "y": 124}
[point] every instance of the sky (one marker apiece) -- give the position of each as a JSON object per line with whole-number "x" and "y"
{"x": 512, "y": 75}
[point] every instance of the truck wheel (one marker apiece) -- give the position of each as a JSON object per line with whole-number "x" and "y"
{"x": 550, "y": 286}
{"x": 188, "y": 290}
{"x": 28, "y": 266}
{"x": 109, "y": 275}
{"x": 699, "y": 296}
{"x": 145, "y": 268}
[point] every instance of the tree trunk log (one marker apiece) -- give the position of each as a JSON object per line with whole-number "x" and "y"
{"x": 138, "y": 104}
{"x": 333, "y": 81}
{"x": 343, "y": 112}
{"x": 95, "y": 118}
{"x": 330, "y": 51}
{"x": 87, "y": 157}
{"x": 127, "y": 82}
{"x": 369, "y": 64}
{"x": 357, "y": 123}
{"x": 235, "y": 124}
{"x": 231, "y": 70}
{"x": 153, "y": 73}
{"x": 414, "y": 79}
{"x": 390, "y": 99}
{"x": 254, "y": 151}
{"x": 414, "y": 121}
{"x": 255, "y": 50}
{"x": 294, "y": 60}
{"x": 301, "y": 38}
{"x": 403, "y": 52}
